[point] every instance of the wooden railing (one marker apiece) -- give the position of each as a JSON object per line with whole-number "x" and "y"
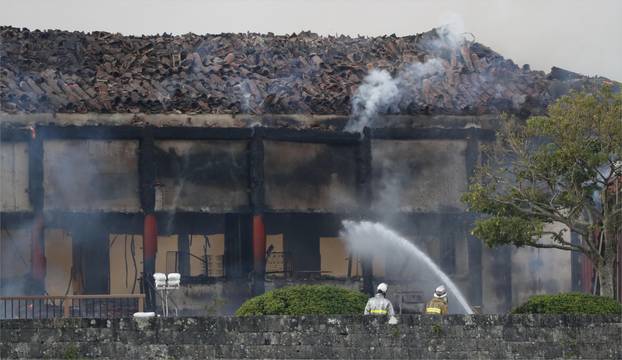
{"x": 81, "y": 306}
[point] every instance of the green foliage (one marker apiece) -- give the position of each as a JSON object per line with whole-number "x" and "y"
{"x": 555, "y": 169}
{"x": 547, "y": 170}
{"x": 437, "y": 330}
{"x": 572, "y": 303}
{"x": 396, "y": 331}
{"x": 500, "y": 230}
{"x": 305, "y": 300}
{"x": 71, "y": 352}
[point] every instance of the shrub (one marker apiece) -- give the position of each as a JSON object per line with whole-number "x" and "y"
{"x": 305, "y": 300}
{"x": 572, "y": 303}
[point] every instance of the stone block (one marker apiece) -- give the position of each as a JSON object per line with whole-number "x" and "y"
{"x": 490, "y": 336}
{"x": 194, "y": 351}
{"x": 526, "y": 350}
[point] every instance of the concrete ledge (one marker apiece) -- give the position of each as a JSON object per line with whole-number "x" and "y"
{"x": 318, "y": 337}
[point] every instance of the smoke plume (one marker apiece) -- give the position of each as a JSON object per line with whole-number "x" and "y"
{"x": 378, "y": 91}
{"x": 381, "y": 92}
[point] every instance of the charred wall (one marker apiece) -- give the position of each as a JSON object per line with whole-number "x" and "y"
{"x": 203, "y": 188}
{"x": 91, "y": 175}
{"x": 310, "y": 176}
{"x": 201, "y": 176}
{"x": 419, "y": 175}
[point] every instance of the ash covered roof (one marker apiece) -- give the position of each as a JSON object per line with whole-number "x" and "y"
{"x": 75, "y": 72}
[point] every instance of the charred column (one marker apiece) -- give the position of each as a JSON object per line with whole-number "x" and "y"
{"x": 256, "y": 163}
{"x": 91, "y": 256}
{"x": 183, "y": 254}
{"x": 365, "y": 199}
{"x": 37, "y": 255}
{"x": 147, "y": 198}
{"x": 35, "y": 193}
{"x": 238, "y": 247}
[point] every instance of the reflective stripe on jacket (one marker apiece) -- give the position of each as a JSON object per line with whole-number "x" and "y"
{"x": 436, "y": 306}
{"x": 379, "y": 305}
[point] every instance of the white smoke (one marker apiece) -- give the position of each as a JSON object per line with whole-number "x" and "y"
{"x": 380, "y": 92}
{"x": 452, "y": 31}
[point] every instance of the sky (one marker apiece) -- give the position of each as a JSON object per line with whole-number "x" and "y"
{"x": 579, "y": 35}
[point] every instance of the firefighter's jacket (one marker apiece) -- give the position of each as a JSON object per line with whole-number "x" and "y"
{"x": 379, "y": 305}
{"x": 437, "y": 306}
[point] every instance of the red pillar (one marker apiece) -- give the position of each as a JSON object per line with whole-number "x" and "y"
{"x": 259, "y": 253}
{"x": 37, "y": 254}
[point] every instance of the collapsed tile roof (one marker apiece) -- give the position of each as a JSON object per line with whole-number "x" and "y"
{"x": 74, "y": 72}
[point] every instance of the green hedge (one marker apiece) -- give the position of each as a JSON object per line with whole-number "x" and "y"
{"x": 305, "y": 300}
{"x": 572, "y": 303}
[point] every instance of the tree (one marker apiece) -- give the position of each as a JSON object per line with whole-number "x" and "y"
{"x": 565, "y": 168}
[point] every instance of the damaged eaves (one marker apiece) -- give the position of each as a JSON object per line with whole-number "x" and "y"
{"x": 74, "y": 72}
{"x": 326, "y": 123}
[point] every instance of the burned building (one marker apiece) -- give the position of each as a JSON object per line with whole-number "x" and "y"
{"x": 224, "y": 158}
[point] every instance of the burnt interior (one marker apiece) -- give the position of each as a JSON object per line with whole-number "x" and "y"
{"x": 262, "y": 164}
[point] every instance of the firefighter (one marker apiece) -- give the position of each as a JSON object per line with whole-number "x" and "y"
{"x": 379, "y": 304}
{"x": 438, "y": 304}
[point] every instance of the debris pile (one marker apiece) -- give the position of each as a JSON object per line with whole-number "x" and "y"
{"x": 61, "y": 71}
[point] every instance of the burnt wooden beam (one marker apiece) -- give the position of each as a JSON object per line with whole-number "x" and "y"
{"x": 364, "y": 192}
{"x": 9, "y": 133}
{"x": 301, "y": 241}
{"x": 256, "y": 172}
{"x": 113, "y": 222}
{"x": 431, "y": 134}
{"x": 448, "y": 235}
{"x": 91, "y": 257}
{"x": 188, "y": 133}
{"x": 35, "y": 171}
{"x": 190, "y": 223}
{"x": 147, "y": 183}
{"x": 91, "y": 132}
{"x": 212, "y": 223}
{"x": 183, "y": 254}
{"x": 364, "y": 170}
{"x": 472, "y": 153}
{"x": 202, "y": 133}
{"x": 310, "y": 136}
{"x": 238, "y": 247}
{"x": 147, "y": 170}
{"x": 233, "y": 133}
{"x": 330, "y": 223}
{"x": 15, "y": 219}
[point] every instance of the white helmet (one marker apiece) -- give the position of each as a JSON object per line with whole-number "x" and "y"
{"x": 382, "y": 287}
{"x": 440, "y": 292}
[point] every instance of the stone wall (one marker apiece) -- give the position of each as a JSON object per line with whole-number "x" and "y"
{"x": 422, "y": 337}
